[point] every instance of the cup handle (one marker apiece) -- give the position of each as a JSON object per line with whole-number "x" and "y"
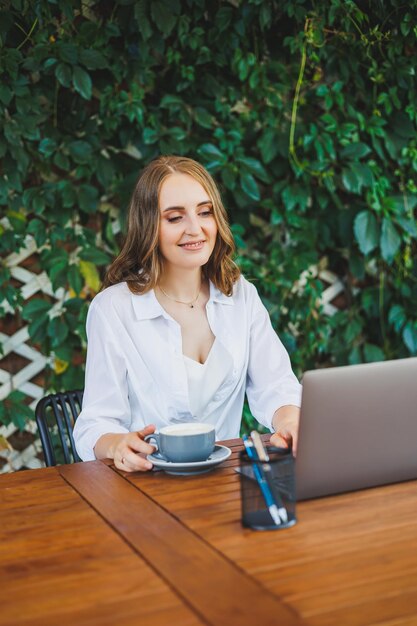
{"x": 154, "y": 436}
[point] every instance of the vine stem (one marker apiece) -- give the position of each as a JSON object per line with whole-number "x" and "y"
{"x": 381, "y": 305}
{"x": 292, "y": 150}
{"x": 55, "y": 122}
{"x": 28, "y": 35}
{"x": 291, "y": 147}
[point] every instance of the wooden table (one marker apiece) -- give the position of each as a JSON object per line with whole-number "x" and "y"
{"x": 86, "y": 545}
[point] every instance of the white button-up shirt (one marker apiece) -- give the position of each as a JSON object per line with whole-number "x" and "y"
{"x": 135, "y": 372}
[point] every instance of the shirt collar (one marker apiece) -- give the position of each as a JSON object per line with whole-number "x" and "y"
{"x": 218, "y": 296}
{"x": 146, "y": 305}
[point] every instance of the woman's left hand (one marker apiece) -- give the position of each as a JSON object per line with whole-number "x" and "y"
{"x": 286, "y": 422}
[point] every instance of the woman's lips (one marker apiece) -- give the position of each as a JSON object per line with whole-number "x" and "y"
{"x": 197, "y": 245}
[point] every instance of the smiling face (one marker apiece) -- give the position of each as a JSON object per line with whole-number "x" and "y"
{"x": 188, "y": 229}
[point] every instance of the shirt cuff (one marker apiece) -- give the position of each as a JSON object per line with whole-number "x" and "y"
{"x": 87, "y": 441}
{"x": 293, "y": 399}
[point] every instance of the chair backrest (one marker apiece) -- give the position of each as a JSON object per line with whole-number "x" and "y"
{"x": 55, "y": 416}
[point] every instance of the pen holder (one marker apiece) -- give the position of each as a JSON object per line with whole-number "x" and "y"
{"x": 268, "y": 490}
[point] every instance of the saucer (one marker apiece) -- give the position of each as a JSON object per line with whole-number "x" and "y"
{"x": 220, "y": 454}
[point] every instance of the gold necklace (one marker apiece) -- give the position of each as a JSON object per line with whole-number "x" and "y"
{"x": 190, "y": 304}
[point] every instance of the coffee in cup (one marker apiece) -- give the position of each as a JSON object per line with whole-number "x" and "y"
{"x": 187, "y": 442}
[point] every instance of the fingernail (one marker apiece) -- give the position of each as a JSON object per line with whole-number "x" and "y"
{"x": 148, "y": 465}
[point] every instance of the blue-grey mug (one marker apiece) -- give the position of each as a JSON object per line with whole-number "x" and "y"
{"x": 187, "y": 442}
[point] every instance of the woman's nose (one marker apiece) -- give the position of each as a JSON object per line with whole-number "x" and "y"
{"x": 192, "y": 226}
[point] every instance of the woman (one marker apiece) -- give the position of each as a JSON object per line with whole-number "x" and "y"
{"x": 178, "y": 334}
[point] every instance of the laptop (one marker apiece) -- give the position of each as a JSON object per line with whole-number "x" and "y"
{"x": 358, "y": 428}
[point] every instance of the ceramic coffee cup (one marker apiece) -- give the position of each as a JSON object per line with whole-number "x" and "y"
{"x": 185, "y": 443}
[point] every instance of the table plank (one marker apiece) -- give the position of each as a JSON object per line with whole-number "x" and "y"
{"x": 61, "y": 563}
{"x": 351, "y": 560}
{"x": 213, "y": 586}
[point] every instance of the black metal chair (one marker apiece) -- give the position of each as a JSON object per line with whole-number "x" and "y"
{"x": 55, "y": 416}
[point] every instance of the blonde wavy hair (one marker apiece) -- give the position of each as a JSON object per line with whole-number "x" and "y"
{"x": 140, "y": 262}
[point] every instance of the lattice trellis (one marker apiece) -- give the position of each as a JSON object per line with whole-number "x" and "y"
{"x": 18, "y": 343}
{"x": 333, "y": 293}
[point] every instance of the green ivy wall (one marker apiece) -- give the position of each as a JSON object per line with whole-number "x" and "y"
{"x": 305, "y": 113}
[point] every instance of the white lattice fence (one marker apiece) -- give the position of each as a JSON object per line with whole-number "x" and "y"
{"x": 26, "y": 447}
{"x": 334, "y": 286}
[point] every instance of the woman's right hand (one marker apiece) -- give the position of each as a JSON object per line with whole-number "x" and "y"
{"x": 127, "y": 450}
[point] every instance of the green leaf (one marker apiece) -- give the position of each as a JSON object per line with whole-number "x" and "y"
{"x": 58, "y": 273}
{"x": 17, "y": 221}
{"x": 19, "y": 411}
{"x": 75, "y": 279}
{"x": 203, "y": 117}
{"x": 210, "y": 151}
{"x": 163, "y": 16}
{"x": 410, "y": 336}
{"x": 366, "y": 231}
{"x": 150, "y": 136}
{"x": 353, "y": 329}
{"x": 95, "y": 256}
{"x": 88, "y": 198}
{"x": 38, "y": 327}
{"x": 214, "y": 159}
{"x": 47, "y": 146}
{"x": 363, "y": 173}
{"x": 82, "y": 82}
{"x": 63, "y": 73}
{"x": 81, "y": 151}
{"x": 64, "y": 353}
{"x": 255, "y": 167}
{"x": 57, "y": 331}
{"x": 6, "y": 95}
{"x": 268, "y": 145}
{"x": 397, "y": 317}
{"x": 142, "y": 20}
{"x": 223, "y": 18}
{"x": 403, "y": 126}
{"x": 228, "y": 178}
{"x": 352, "y": 179}
{"x": 38, "y": 203}
{"x": 250, "y": 186}
{"x": 355, "y": 356}
{"x": 36, "y": 227}
{"x": 68, "y": 52}
{"x": 68, "y": 194}
{"x": 373, "y": 353}
{"x": 356, "y": 176}
{"x": 172, "y": 102}
{"x": 177, "y": 133}
{"x": 295, "y": 195}
{"x": 390, "y": 240}
{"x": 355, "y": 151}
{"x": 61, "y": 160}
{"x": 408, "y": 225}
{"x": 93, "y": 59}
{"x": 49, "y": 63}
{"x": 35, "y": 308}
{"x": 105, "y": 171}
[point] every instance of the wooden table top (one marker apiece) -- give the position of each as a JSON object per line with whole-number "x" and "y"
{"x": 84, "y": 544}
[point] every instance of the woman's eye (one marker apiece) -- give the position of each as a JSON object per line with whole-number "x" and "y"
{"x": 174, "y": 219}
{"x": 206, "y": 213}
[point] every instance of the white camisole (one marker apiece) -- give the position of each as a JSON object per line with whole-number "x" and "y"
{"x": 204, "y": 379}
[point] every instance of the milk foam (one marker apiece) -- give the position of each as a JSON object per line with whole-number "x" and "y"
{"x": 186, "y": 429}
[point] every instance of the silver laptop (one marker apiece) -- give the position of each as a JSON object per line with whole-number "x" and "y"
{"x": 358, "y": 428}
